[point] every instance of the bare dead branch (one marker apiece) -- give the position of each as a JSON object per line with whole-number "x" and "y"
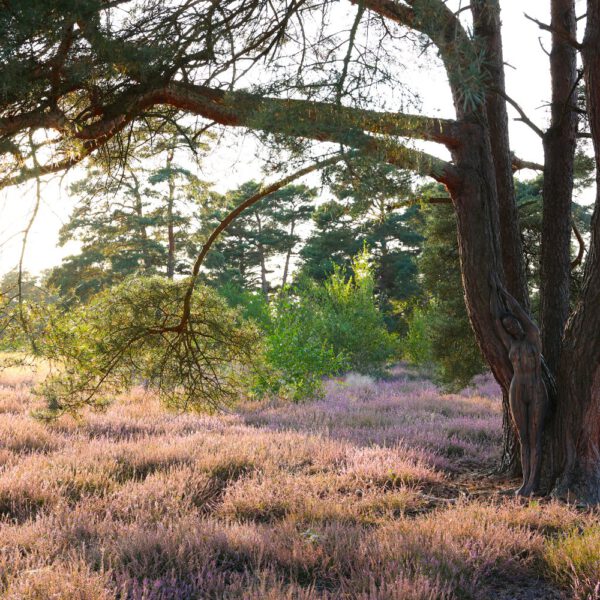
{"x": 559, "y": 32}
{"x": 523, "y": 116}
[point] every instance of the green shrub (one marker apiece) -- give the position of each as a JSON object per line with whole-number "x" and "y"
{"x": 441, "y": 341}
{"x": 252, "y": 305}
{"x": 133, "y": 333}
{"x": 297, "y": 355}
{"x": 453, "y": 347}
{"x": 416, "y": 345}
{"x": 351, "y": 320}
{"x": 321, "y": 330}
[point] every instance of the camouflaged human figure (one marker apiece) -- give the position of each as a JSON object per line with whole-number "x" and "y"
{"x": 527, "y": 395}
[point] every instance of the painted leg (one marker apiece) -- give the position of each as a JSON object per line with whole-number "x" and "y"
{"x": 519, "y": 414}
{"x": 537, "y": 414}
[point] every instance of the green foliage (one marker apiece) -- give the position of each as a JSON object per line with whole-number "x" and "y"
{"x": 574, "y": 561}
{"x": 416, "y": 344}
{"x": 132, "y": 333}
{"x": 17, "y": 330}
{"x": 440, "y": 333}
{"x": 352, "y": 321}
{"x": 132, "y": 222}
{"x": 361, "y": 215}
{"x": 252, "y": 305}
{"x": 245, "y": 253}
{"x": 297, "y": 355}
{"x": 324, "y": 329}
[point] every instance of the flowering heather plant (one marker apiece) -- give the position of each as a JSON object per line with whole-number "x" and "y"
{"x": 574, "y": 560}
{"x": 368, "y": 494}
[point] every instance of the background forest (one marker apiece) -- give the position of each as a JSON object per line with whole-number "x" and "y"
{"x": 353, "y": 273}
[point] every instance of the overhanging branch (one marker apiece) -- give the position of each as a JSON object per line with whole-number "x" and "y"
{"x": 319, "y": 121}
{"x": 236, "y": 212}
{"x": 519, "y": 163}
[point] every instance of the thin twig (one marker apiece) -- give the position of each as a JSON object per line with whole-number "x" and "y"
{"x": 524, "y": 118}
{"x": 559, "y": 32}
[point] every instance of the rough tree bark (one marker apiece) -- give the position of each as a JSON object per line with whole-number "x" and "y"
{"x": 487, "y": 28}
{"x": 576, "y": 440}
{"x": 486, "y": 14}
{"x": 559, "y": 151}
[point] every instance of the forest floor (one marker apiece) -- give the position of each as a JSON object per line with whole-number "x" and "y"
{"x": 380, "y": 490}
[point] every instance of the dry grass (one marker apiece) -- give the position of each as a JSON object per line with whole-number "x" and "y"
{"x": 360, "y": 495}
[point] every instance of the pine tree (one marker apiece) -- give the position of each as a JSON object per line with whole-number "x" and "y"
{"x": 129, "y": 222}
{"x": 265, "y": 234}
{"x": 361, "y": 215}
{"x": 451, "y": 344}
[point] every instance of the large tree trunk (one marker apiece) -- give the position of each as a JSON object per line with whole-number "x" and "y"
{"x": 559, "y": 152}
{"x": 576, "y": 434}
{"x": 476, "y": 204}
{"x": 486, "y": 16}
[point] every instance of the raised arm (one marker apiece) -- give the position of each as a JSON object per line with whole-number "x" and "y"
{"x": 497, "y": 309}
{"x": 531, "y": 329}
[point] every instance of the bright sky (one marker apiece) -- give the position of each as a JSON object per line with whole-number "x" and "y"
{"x": 235, "y": 161}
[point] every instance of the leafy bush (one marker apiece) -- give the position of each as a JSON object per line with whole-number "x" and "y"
{"x": 134, "y": 333}
{"x": 252, "y": 305}
{"x": 296, "y": 351}
{"x": 416, "y": 345}
{"x": 352, "y": 322}
{"x": 441, "y": 341}
{"x": 325, "y": 329}
{"x": 443, "y": 324}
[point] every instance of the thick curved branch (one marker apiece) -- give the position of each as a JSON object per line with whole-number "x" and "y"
{"x": 274, "y": 114}
{"x": 230, "y": 217}
{"x": 35, "y": 119}
{"x": 299, "y": 118}
{"x": 431, "y": 17}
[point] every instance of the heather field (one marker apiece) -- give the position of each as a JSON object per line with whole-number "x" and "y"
{"x": 380, "y": 490}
